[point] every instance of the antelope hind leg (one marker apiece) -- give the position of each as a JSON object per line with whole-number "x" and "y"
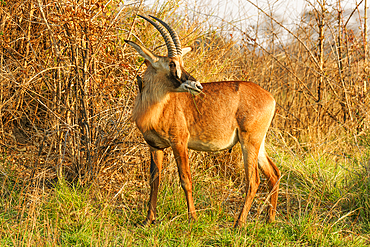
{"x": 272, "y": 174}
{"x": 252, "y": 180}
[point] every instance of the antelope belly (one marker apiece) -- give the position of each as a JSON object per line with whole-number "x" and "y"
{"x": 213, "y": 143}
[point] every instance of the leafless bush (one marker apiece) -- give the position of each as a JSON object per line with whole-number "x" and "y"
{"x": 66, "y": 87}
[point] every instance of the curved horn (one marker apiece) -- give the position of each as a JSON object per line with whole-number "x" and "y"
{"x": 173, "y": 34}
{"x": 171, "y": 48}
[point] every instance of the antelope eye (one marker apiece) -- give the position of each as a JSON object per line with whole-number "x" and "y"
{"x": 174, "y": 71}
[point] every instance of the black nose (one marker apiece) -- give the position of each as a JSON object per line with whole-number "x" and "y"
{"x": 199, "y": 87}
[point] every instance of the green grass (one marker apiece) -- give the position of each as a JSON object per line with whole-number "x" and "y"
{"x": 321, "y": 203}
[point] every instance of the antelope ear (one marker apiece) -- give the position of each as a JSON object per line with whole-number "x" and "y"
{"x": 145, "y": 53}
{"x": 186, "y": 50}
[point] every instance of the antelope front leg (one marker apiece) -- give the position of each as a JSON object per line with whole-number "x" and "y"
{"x": 156, "y": 159}
{"x": 182, "y": 159}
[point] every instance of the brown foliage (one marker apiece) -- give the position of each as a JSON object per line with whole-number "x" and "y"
{"x": 67, "y": 89}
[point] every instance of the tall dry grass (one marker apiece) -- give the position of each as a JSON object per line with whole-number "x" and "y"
{"x": 66, "y": 87}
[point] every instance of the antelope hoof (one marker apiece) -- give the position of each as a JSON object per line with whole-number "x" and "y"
{"x": 238, "y": 224}
{"x": 148, "y": 222}
{"x": 270, "y": 219}
{"x": 193, "y": 219}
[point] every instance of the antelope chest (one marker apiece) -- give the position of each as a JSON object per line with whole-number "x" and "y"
{"x": 156, "y": 139}
{"x": 155, "y": 122}
{"x": 154, "y": 132}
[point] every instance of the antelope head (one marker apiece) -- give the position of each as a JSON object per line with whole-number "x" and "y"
{"x": 167, "y": 71}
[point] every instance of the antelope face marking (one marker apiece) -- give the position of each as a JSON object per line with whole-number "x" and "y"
{"x": 182, "y": 80}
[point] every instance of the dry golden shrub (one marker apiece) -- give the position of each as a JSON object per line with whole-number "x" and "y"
{"x": 67, "y": 85}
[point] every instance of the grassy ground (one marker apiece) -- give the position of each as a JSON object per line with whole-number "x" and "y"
{"x": 320, "y": 204}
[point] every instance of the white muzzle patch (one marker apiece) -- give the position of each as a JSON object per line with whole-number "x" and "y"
{"x": 191, "y": 86}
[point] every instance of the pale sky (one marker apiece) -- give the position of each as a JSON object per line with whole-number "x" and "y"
{"x": 230, "y": 10}
{"x": 241, "y": 10}
{"x": 242, "y": 14}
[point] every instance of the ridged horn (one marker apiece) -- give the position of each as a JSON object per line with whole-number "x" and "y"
{"x": 171, "y": 48}
{"x": 173, "y": 34}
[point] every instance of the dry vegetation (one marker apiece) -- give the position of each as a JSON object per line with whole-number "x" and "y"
{"x": 67, "y": 88}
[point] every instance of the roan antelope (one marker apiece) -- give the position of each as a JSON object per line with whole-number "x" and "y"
{"x": 225, "y": 113}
